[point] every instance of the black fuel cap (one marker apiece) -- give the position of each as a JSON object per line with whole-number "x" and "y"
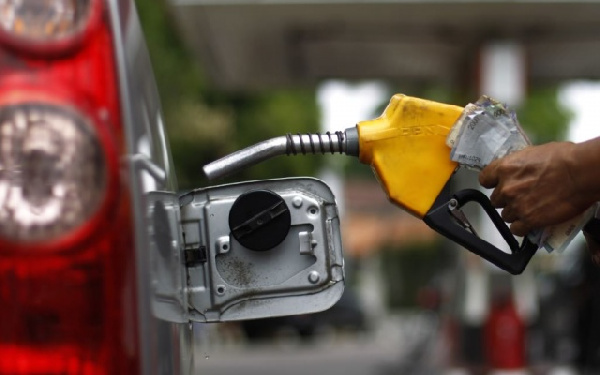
{"x": 259, "y": 220}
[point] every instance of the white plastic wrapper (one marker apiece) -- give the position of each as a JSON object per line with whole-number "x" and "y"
{"x": 488, "y": 130}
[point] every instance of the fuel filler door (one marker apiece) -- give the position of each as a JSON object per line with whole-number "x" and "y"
{"x": 261, "y": 249}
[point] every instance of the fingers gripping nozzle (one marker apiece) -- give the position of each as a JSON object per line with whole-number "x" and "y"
{"x": 338, "y": 142}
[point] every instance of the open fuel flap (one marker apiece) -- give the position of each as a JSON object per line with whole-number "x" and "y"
{"x": 256, "y": 249}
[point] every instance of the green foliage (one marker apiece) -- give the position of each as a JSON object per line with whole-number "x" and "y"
{"x": 204, "y": 124}
{"x": 262, "y": 115}
{"x": 196, "y": 131}
{"x": 177, "y": 76}
{"x": 543, "y": 117}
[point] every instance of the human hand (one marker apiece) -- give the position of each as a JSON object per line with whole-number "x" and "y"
{"x": 536, "y": 187}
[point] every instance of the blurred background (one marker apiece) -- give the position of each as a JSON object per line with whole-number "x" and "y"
{"x": 235, "y": 72}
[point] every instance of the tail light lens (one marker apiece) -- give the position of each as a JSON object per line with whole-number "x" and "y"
{"x": 46, "y": 25}
{"x": 54, "y": 172}
{"x": 68, "y": 285}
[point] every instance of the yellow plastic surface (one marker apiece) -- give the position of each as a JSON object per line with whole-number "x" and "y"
{"x": 406, "y": 146}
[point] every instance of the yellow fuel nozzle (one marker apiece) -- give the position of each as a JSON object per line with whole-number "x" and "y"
{"x": 406, "y": 146}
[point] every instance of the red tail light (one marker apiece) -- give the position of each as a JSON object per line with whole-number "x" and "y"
{"x": 67, "y": 267}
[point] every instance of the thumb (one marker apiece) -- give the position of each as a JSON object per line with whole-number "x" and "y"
{"x": 488, "y": 177}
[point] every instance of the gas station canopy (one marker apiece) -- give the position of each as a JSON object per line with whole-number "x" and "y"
{"x": 253, "y": 44}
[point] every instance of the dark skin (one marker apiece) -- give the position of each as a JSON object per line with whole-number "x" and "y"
{"x": 545, "y": 185}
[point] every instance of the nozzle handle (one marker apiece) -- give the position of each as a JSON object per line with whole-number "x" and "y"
{"x": 440, "y": 219}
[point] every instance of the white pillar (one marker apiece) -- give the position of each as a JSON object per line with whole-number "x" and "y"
{"x": 503, "y": 71}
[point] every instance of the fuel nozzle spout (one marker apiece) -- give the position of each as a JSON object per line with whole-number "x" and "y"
{"x": 345, "y": 142}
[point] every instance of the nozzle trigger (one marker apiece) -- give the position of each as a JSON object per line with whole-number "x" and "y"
{"x": 447, "y": 218}
{"x": 460, "y": 216}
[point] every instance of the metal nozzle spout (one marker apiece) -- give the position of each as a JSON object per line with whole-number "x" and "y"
{"x": 342, "y": 142}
